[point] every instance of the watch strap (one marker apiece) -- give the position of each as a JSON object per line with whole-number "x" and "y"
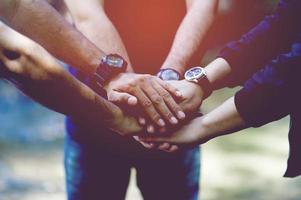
{"x": 103, "y": 73}
{"x": 106, "y": 69}
{"x": 204, "y": 83}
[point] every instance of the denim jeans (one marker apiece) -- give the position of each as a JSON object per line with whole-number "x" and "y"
{"x": 99, "y": 168}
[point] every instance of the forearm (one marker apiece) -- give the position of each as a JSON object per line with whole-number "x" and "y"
{"x": 218, "y": 72}
{"x": 91, "y": 19}
{"x": 38, "y": 20}
{"x": 59, "y": 91}
{"x": 38, "y": 75}
{"x": 191, "y": 33}
{"x": 223, "y": 120}
{"x": 63, "y": 93}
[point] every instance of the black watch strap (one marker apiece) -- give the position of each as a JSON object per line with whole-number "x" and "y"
{"x": 110, "y": 66}
{"x": 206, "y": 86}
{"x": 102, "y": 74}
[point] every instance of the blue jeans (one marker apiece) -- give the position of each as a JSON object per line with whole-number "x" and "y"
{"x": 99, "y": 168}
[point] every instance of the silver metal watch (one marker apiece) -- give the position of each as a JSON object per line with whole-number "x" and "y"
{"x": 198, "y": 75}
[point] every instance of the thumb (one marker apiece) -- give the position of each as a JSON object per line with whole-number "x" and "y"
{"x": 122, "y": 98}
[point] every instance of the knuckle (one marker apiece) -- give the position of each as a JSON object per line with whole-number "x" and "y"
{"x": 147, "y": 78}
{"x": 167, "y": 85}
{"x": 165, "y": 95}
{"x": 155, "y": 116}
{"x": 146, "y": 103}
{"x": 132, "y": 84}
{"x": 156, "y": 99}
{"x": 168, "y": 114}
{"x": 175, "y": 107}
{"x": 143, "y": 78}
{"x": 128, "y": 87}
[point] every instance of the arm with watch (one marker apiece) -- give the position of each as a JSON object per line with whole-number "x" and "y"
{"x": 190, "y": 35}
{"x": 261, "y": 99}
{"x": 192, "y": 97}
{"x": 41, "y": 77}
{"x": 188, "y": 39}
{"x": 51, "y": 30}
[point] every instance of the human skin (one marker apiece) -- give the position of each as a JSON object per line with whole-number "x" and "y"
{"x": 223, "y": 120}
{"x": 191, "y": 33}
{"x": 188, "y": 39}
{"x": 37, "y": 74}
{"x": 51, "y": 30}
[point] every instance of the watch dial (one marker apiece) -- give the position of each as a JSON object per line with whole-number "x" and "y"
{"x": 194, "y": 73}
{"x": 169, "y": 75}
{"x": 114, "y": 61}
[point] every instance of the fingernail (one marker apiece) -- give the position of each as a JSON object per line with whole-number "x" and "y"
{"x": 173, "y": 120}
{"x": 151, "y": 145}
{"x": 179, "y": 94}
{"x": 150, "y": 129}
{"x": 132, "y": 101}
{"x": 181, "y": 115}
{"x": 142, "y": 121}
{"x": 161, "y": 122}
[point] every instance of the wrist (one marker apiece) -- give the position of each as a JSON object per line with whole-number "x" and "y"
{"x": 177, "y": 68}
{"x": 110, "y": 66}
{"x": 198, "y": 76}
{"x": 206, "y": 130}
{"x": 217, "y": 71}
{"x": 198, "y": 90}
{"x": 175, "y": 64}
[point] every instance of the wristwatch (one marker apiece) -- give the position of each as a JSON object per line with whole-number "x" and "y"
{"x": 111, "y": 65}
{"x": 198, "y": 75}
{"x": 168, "y": 74}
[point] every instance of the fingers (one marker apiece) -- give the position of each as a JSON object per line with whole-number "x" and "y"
{"x": 169, "y": 100}
{"x": 172, "y": 90}
{"x": 168, "y": 147}
{"x": 145, "y": 144}
{"x": 150, "y": 129}
{"x": 148, "y": 106}
{"x": 153, "y": 95}
{"x": 155, "y": 139}
{"x": 122, "y": 98}
{"x": 173, "y": 148}
{"x": 163, "y": 147}
{"x": 142, "y": 121}
{"x": 159, "y": 102}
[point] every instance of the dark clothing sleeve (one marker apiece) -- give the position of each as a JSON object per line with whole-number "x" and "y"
{"x": 273, "y": 92}
{"x": 271, "y": 37}
{"x": 2, "y": 69}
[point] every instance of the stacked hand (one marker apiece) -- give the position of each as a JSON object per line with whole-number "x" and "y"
{"x": 163, "y": 102}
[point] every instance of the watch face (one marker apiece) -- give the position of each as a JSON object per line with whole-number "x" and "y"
{"x": 114, "y": 61}
{"x": 169, "y": 74}
{"x": 194, "y": 73}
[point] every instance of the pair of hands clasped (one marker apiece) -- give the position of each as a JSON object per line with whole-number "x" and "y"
{"x": 159, "y": 106}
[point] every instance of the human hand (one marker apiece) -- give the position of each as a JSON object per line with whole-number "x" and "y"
{"x": 224, "y": 119}
{"x": 192, "y": 97}
{"x": 17, "y": 57}
{"x": 193, "y": 133}
{"x": 153, "y": 94}
{"x": 125, "y": 125}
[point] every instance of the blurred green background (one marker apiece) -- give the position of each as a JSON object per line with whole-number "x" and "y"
{"x": 246, "y": 165}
